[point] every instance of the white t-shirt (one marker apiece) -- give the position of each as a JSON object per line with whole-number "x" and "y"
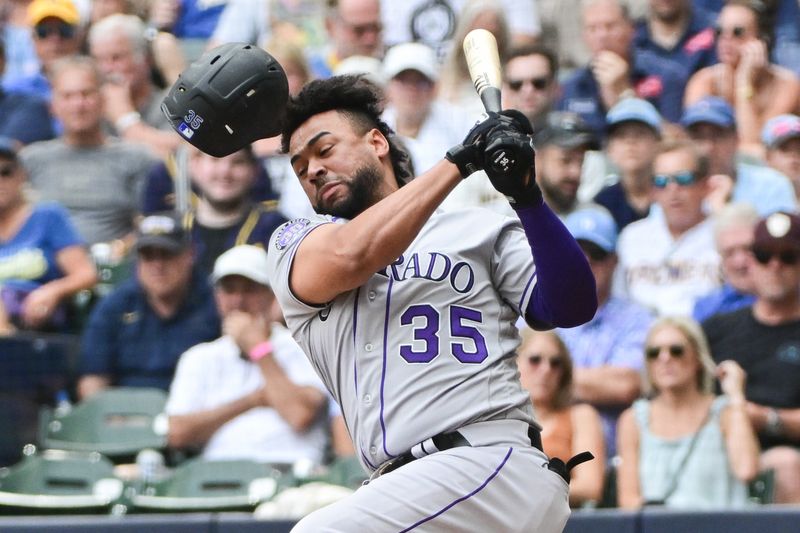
{"x": 214, "y": 373}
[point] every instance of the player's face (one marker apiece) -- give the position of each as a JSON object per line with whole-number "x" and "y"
{"x": 540, "y": 366}
{"x": 682, "y": 204}
{"x": 238, "y": 293}
{"x": 164, "y": 274}
{"x": 734, "y": 244}
{"x": 786, "y": 160}
{"x": 676, "y": 365}
{"x": 559, "y": 174}
{"x": 340, "y": 168}
{"x": 632, "y": 147}
{"x": 223, "y": 181}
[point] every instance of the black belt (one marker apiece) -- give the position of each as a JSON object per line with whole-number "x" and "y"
{"x": 446, "y": 441}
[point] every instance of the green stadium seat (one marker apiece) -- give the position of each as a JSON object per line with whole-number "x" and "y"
{"x": 56, "y": 481}
{"x": 117, "y": 422}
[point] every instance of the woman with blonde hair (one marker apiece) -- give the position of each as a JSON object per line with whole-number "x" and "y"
{"x": 683, "y": 446}
{"x": 545, "y": 369}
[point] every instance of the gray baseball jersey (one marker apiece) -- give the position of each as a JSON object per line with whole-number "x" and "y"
{"x": 427, "y": 344}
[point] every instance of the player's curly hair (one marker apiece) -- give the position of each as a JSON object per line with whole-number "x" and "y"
{"x": 360, "y": 100}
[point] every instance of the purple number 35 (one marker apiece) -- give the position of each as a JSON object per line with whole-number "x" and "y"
{"x": 429, "y": 334}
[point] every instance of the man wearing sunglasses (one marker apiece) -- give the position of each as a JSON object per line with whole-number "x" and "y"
{"x": 668, "y": 259}
{"x": 56, "y": 34}
{"x": 765, "y": 340}
{"x": 530, "y": 84}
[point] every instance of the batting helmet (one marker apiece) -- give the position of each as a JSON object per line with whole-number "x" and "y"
{"x": 231, "y": 96}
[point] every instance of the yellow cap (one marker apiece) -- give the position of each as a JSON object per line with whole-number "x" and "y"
{"x": 65, "y": 10}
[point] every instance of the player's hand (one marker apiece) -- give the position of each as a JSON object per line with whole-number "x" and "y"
{"x": 469, "y": 155}
{"x": 245, "y": 329}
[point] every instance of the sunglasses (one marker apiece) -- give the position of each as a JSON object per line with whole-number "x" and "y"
{"x": 787, "y": 257}
{"x": 683, "y": 179}
{"x": 676, "y": 351}
{"x": 539, "y": 84}
{"x": 555, "y": 362}
{"x": 65, "y": 31}
{"x": 737, "y": 32}
{"x": 6, "y": 171}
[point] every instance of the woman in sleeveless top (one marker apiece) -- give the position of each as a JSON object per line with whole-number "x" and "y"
{"x": 684, "y": 447}
{"x": 545, "y": 371}
{"x": 756, "y": 89}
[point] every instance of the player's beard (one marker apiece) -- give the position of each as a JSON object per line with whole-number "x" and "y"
{"x": 362, "y": 193}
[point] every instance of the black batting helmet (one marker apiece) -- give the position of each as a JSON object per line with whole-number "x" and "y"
{"x": 231, "y": 96}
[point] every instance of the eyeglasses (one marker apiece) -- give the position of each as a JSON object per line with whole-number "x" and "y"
{"x": 787, "y": 257}
{"x": 540, "y": 84}
{"x": 555, "y": 362}
{"x": 65, "y": 31}
{"x": 737, "y": 32}
{"x": 683, "y": 179}
{"x": 676, "y": 351}
{"x": 6, "y": 171}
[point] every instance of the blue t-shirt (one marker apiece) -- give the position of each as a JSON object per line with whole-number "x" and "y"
{"x": 198, "y": 18}
{"x": 24, "y": 117}
{"x": 28, "y": 259}
{"x": 723, "y": 300}
{"x": 764, "y": 188}
{"x": 613, "y": 198}
{"x": 126, "y": 341}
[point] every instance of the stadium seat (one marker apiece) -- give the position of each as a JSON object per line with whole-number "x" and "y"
{"x": 56, "y": 481}
{"x": 199, "y": 485}
{"x": 117, "y": 422}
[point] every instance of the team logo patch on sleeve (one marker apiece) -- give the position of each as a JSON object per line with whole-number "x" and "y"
{"x": 291, "y": 232}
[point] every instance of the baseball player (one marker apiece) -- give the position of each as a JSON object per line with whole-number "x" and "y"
{"x": 407, "y": 313}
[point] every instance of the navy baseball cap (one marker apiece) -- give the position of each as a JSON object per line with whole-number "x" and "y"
{"x": 8, "y": 148}
{"x": 780, "y": 129}
{"x": 566, "y": 130}
{"x": 634, "y": 110}
{"x": 594, "y": 224}
{"x": 164, "y": 231}
{"x": 709, "y": 110}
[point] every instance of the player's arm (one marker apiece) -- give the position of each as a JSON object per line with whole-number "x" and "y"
{"x": 629, "y": 494}
{"x": 335, "y": 258}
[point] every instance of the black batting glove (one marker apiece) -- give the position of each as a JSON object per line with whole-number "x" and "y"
{"x": 469, "y": 155}
{"x": 508, "y": 159}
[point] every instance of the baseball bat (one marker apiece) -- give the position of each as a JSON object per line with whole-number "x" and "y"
{"x": 483, "y": 61}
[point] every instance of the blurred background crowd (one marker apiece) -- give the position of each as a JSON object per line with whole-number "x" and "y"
{"x": 668, "y": 140}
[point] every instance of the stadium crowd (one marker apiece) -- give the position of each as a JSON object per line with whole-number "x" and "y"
{"x": 667, "y": 135}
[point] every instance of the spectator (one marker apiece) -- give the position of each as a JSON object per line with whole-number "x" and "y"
{"x": 561, "y": 147}
{"x": 615, "y": 71}
{"x": 634, "y": 129}
{"x": 97, "y": 178}
{"x": 711, "y": 126}
{"x": 606, "y": 351}
{"x": 23, "y": 117}
{"x": 132, "y": 103}
{"x": 56, "y": 34}
{"x": 186, "y": 19}
{"x": 757, "y": 89}
{"x": 225, "y": 214}
{"x": 683, "y": 447}
{"x": 667, "y": 260}
{"x": 677, "y": 33}
{"x": 781, "y": 138}
{"x": 530, "y": 82}
{"x": 43, "y": 262}
{"x": 765, "y": 340}
{"x": 252, "y": 393}
{"x": 136, "y": 334}
{"x": 545, "y": 369}
{"x": 733, "y": 235}
{"x": 455, "y": 84}
{"x": 17, "y": 33}
{"x": 427, "y": 126}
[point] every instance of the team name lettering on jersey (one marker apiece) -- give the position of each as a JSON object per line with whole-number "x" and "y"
{"x": 432, "y": 266}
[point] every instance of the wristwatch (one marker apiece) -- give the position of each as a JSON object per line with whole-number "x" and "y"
{"x": 774, "y": 425}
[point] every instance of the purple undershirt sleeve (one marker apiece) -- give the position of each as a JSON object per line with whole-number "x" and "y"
{"x": 564, "y": 295}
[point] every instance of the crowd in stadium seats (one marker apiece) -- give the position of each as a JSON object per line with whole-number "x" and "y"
{"x": 667, "y": 136}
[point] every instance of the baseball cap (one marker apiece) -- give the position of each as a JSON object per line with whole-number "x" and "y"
{"x": 594, "y": 224}
{"x": 369, "y": 67}
{"x": 411, "y": 56}
{"x": 244, "y": 260}
{"x": 65, "y": 10}
{"x": 634, "y": 110}
{"x": 164, "y": 231}
{"x": 779, "y": 230}
{"x": 566, "y": 130}
{"x": 780, "y": 129}
{"x": 711, "y": 110}
{"x": 8, "y": 148}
